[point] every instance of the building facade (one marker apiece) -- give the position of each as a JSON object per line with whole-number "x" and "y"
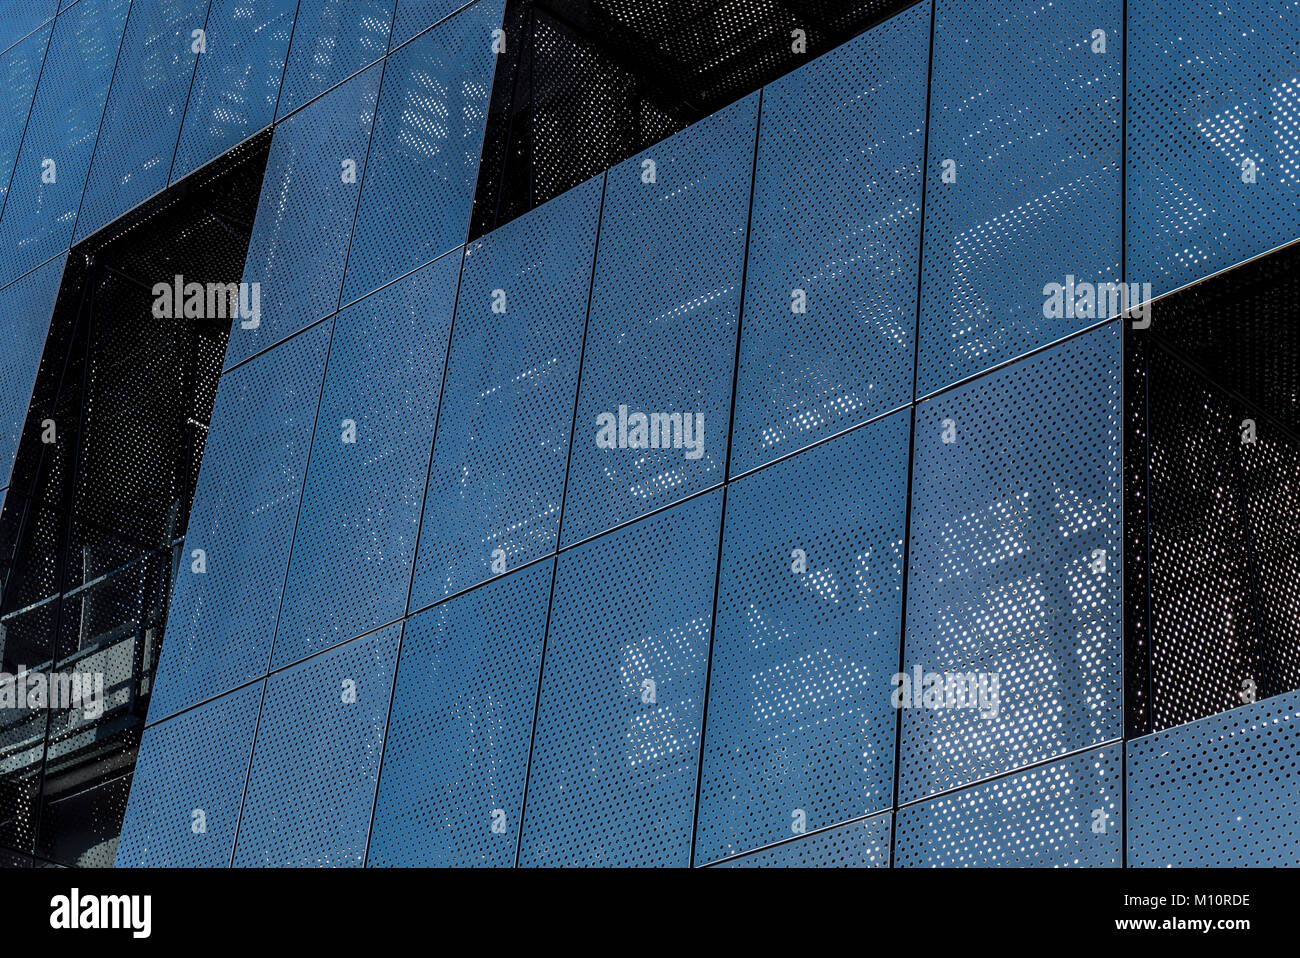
{"x": 852, "y": 472}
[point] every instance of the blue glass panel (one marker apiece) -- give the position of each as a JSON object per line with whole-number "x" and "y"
{"x": 333, "y": 39}
{"x": 305, "y": 215}
{"x": 503, "y": 439}
{"x": 145, "y": 107}
{"x": 661, "y": 339}
{"x": 1223, "y": 791}
{"x": 452, "y": 785}
{"x": 311, "y": 787}
{"x": 623, "y": 682}
{"x": 1015, "y": 566}
{"x": 835, "y": 234}
{"x": 862, "y": 844}
{"x": 221, "y": 621}
{"x": 1067, "y": 813}
{"x": 416, "y": 15}
{"x": 415, "y": 202}
{"x": 237, "y": 81}
{"x": 27, "y": 305}
{"x": 1213, "y": 135}
{"x": 50, "y": 171}
{"x": 1029, "y": 116}
{"x": 800, "y": 730}
{"x": 351, "y": 566}
{"x": 18, "y": 18}
{"x": 188, "y": 785}
{"x": 20, "y": 68}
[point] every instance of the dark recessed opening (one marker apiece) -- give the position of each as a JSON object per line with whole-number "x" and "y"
{"x": 99, "y": 499}
{"x": 1212, "y": 491}
{"x": 585, "y": 84}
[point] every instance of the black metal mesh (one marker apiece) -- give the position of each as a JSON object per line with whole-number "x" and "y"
{"x": 584, "y": 84}
{"x": 92, "y": 522}
{"x": 1212, "y": 450}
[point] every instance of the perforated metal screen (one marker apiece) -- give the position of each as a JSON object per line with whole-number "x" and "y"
{"x": 28, "y": 304}
{"x": 222, "y": 621}
{"x": 332, "y": 40}
{"x": 1221, "y": 791}
{"x": 497, "y": 479}
{"x": 352, "y": 554}
{"x": 830, "y": 293}
{"x": 304, "y": 220}
{"x": 1024, "y": 144}
{"x": 661, "y": 339}
{"x": 1015, "y": 563}
{"x": 452, "y": 786}
{"x": 1066, "y": 813}
{"x": 863, "y": 844}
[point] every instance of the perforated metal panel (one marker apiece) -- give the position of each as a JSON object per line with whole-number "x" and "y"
{"x": 237, "y": 81}
{"x": 18, "y": 18}
{"x": 1205, "y": 648}
{"x": 1015, "y": 565}
{"x": 20, "y": 68}
{"x": 452, "y": 785}
{"x": 614, "y": 758}
{"x": 416, "y": 15}
{"x": 661, "y": 337}
{"x": 1029, "y": 116}
{"x": 221, "y": 622}
{"x": 187, "y": 792}
{"x": 424, "y": 154}
{"x": 503, "y": 439}
{"x": 836, "y": 236}
{"x": 27, "y": 305}
{"x": 311, "y": 787}
{"x": 42, "y": 204}
{"x": 1213, "y": 135}
{"x": 331, "y": 41}
{"x": 1271, "y": 495}
{"x": 800, "y": 730}
{"x": 1222, "y": 791}
{"x": 352, "y": 554}
{"x": 863, "y": 844}
{"x": 1068, "y": 813}
{"x": 146, "y": 105}
{"x": 304, "y": 219}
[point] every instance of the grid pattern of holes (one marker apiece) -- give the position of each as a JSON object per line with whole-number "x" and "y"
{"x": 1067, "y": 814}
{"x": 18, "y": 18}
{"x": 20, "y": 67}
{"x": 799, "y": 711}
{"x": 842, "y": 225}
{"x": 1007, "y": 521}
{"x": 146, "y": 105}
{"x": 862, "y": 844}
{"x": 63, "y": 125}
{"x": 1211, "y": 86}
{"x": 304, "y": 220}
{"x": 311, "y": 785}
{"x": 1221, "y": 791}
{"x": 27, "y": 305}
{"x": 416, "y": 15}
{"x": 426, "y": 144}
{"x": 664, "y": 309}
{"x": 237, "y": 81}
{"x": 503, "y": 438}
{"x": 332, "y": 40}
{"x": 1271, "y": 496}
{"x": 1031, "y": 118}
{"x": 220, "y": 624}
{"x": 452, "y": 787}
{"x": 613, "y": 775}
{"x": 1204, "y": 634}
{"x": 192, "y": 762}
{"x": 352, "y": 554}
